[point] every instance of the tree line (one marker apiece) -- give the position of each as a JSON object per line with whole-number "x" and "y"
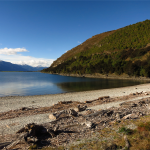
{"x": 118, "y": 62}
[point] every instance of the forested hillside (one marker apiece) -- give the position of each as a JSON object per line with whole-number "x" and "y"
{"x": 126, "y": 50}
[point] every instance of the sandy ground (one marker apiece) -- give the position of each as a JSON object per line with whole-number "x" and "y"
{"x": 10, "y": 126}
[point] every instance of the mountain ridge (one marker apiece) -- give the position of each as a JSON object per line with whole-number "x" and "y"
{"x": 122, "y": 51}
{"x": 7, "y": 66}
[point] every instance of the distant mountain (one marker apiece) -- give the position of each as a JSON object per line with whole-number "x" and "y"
{"x": 30, "y": 68}
{"x": 7, "y": 66}
{"x": 39, "y": 68}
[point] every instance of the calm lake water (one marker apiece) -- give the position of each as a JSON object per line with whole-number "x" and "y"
{"x": 36, "y": 83}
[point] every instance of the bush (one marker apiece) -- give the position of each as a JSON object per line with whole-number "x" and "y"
{"x": 125, "y": 130}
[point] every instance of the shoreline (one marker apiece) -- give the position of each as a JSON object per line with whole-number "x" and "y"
{"x": 103, "y": 76}
{"x": 15, "y": 102}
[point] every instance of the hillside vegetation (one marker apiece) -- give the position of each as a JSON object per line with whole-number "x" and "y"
{"x": 126, "y": 50}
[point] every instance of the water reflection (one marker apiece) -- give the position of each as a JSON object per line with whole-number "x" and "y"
{"x": 36, "y": 83}
{"x": 26, "y": 88}
{"x": 23, "y": 84}
{"x": 97, "y": 84}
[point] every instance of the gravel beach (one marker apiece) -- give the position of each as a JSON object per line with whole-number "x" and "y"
{"x": 15, "y": 102}
{"x": 10, "y": 126}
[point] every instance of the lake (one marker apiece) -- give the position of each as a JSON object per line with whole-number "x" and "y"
{"x": 36, "y": 83}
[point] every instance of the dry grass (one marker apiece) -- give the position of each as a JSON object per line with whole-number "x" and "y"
{"x": 138, "y": 137}
{"x": 94, "y": 40}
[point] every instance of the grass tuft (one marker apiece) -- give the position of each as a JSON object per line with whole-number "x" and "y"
{"x": 125, "y": 130}
{"x": 33, "y": 147}
{"x": 144, "y": 126}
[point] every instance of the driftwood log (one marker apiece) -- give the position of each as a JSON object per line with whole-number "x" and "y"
{"x": 100, "y": 98}
{"x": 96, "y": 113}
{"x": 56, "y": 115}
{"x": 64, "y": 102}
{"x": 14, "y": 143}
{"x": 30, "y": 133}
{"x": 89, "y": 124}
{"x": 4, "y": 144}
{"x": 72, "y": 112}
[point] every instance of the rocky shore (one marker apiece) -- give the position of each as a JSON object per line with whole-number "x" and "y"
{"x": 63, "y": 119}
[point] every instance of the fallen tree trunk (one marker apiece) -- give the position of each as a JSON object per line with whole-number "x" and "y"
{"x": 55, "y": 116}
{"x": 70, "y": 112}
{"x": 14, "y": 143}
{"x": 100, "y": 98}
{"x": 4, "y": 144}
{"x": 96, "y": 113}
{"x": 64, "y": 102}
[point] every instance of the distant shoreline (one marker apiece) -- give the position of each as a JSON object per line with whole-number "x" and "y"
{"x": 98, "y": 75}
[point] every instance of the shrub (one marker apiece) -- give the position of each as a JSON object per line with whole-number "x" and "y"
{"x": 125, "y": 130}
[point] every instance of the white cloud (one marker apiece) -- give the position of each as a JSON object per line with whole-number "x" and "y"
{"x": 10, "y": 55}
{"x": 12, "y": 51}
{"x": 36, "y": 62}
{"x": 79, "y": 42}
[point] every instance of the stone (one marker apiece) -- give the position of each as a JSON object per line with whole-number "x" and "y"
{"x": 52, "y": 117}
{"x": 79, "y": 108}
{"x": 88, "y": 124}
{"x": 146, "y": 93}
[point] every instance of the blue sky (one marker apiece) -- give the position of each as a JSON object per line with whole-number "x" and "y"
{"x": 37, "y": 32}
